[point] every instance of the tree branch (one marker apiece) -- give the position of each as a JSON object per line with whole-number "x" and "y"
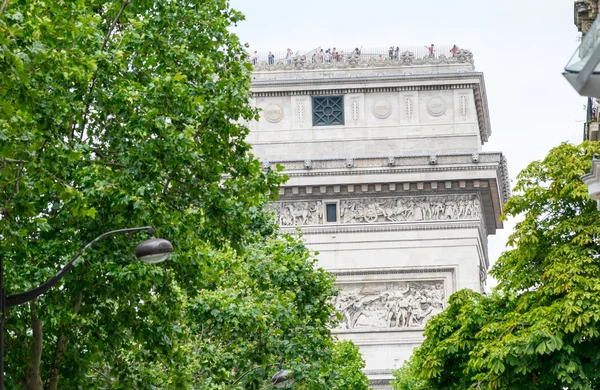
{"x": 61, "y": 347}
{"x": 33, "y": 380}
{"x": 4, "y": 5}
{"x": 94, "y": 79}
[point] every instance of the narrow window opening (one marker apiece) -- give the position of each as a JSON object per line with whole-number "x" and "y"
{"x": 332, "y": 212}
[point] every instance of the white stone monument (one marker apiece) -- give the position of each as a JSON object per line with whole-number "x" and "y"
{"x": 388, "y": 182}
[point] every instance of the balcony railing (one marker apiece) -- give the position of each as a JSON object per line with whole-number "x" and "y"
{"x": 322, "y": 55}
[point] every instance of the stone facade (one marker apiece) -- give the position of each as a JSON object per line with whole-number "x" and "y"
{"x": 399, "y": 200}
{"x": 585, "y": 13}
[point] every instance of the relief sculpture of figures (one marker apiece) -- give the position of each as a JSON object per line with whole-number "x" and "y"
{"x": 394, "y": 305}
{"x": 425, "y": 208}
{"x": 298, "y": 213}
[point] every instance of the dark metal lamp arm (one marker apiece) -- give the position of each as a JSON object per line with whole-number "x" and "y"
{"x": 17, "y": 299}
{"x": 252, "y": 370}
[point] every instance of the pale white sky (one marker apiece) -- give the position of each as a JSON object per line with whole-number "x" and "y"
{"x": 521, "y": 46}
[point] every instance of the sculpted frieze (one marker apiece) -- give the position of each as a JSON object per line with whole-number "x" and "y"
{"x": 389, "y": 305}
{"x": 380, "y": 210}
{"x": 424, "y": 208}
{"x": 298, "y": 213}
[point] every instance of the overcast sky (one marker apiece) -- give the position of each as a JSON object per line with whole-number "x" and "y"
{"x": 520, "y": 46}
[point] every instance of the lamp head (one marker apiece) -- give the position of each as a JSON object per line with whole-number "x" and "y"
{"x": 282, "y": 379}
{"x": 154, "y": 250}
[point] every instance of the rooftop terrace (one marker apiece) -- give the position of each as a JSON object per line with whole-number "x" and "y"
{"x": 361, "y": 61}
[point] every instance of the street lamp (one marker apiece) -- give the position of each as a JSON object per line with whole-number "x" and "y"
{"x": 281, "y": 379}
{"x": 153, "y": 250}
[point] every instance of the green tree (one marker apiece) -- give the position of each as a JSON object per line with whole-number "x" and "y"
{"x": 130, "y": 113}
{"x": 540, "y": 327}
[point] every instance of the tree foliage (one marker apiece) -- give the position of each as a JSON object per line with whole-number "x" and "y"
{"x": 540, "y": 328}
{"x": 129, "y": 113}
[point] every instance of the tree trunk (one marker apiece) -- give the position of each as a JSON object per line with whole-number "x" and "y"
{"x": 33, "y": 379}
{"x": 61, "y": 348}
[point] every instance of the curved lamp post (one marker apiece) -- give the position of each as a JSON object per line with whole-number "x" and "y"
{"x": 153, "y": 250}
{"x": 282, "y": 378}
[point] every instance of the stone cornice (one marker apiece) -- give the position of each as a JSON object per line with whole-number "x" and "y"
{"x": 401, "y": 164}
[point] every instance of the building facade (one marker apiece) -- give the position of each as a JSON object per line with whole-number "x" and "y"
{"x": 585, "y": 12}
{"x": 388, "y": 182}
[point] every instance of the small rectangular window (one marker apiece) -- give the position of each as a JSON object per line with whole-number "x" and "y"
{"x": 332, "y": 212}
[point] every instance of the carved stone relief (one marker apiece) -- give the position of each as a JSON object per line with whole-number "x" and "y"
{"x": 382, "y": 109}
{"x": 355, "y": 110}
{"x": 300, "y": 113}
{"x": 463, "y": 107}
{"x": 298, "y": 213}
{"x": 397, "y": 209}
{"x": 373, "y": 210}
{"x": 273, "y": 113}
{"x": 409, "y": 109}
{"x": 389, "y": 305}
{"x": 436, "y": 106}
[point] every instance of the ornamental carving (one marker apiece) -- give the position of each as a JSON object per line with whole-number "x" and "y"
{"x": 407, "y": 58}
{"x": 300, "y": 113}
{"x": 399, "y": 209}
{"x": 381, "y": 210}
{"x": 463, "y": 56}
{"x": 273, "y": 113}
{"x": 389, "y": 305}
{"x": 409, "y": 109}
{"x": 436, "y": 106}
{"x": 298, "y": 213}
{"x": 355, "y": 110}
{"x": 463, "y": 107}
{"x": 382, "y": 109}
{"x": 299, "y": 62}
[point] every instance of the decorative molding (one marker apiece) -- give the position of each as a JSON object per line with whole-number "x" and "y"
{"x": 392, "y": 305}
{"x": 503, "y": 175}
{"x": 345, "y": 91}
{"x": 453, "y": 160}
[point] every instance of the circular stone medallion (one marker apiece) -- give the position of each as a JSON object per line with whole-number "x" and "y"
{"x": 382, "y": 109}
{"x": 273, "y": 113}
{"x": 436, "y": 106}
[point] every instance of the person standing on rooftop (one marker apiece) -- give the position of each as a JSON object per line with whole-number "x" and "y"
{"x": 431, "y": 50}
{"x": 454, "y": 50}
{"x": 271, "y": 58}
